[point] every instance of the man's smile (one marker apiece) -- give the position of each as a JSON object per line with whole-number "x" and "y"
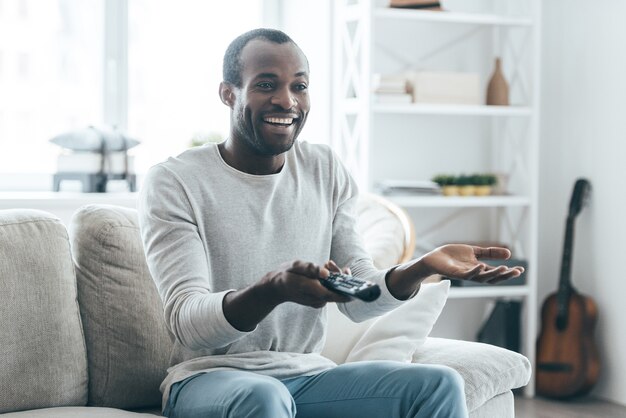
{"x": 280, "y": 121}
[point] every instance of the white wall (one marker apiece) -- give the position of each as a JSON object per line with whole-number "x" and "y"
{"x": 308, "y": 23}
{"x": 584, "y": 134}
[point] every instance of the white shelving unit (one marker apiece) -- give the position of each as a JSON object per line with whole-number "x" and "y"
{"x": 460, "y": 202}
{"x": 460, "y": 110}
{"x": 469, "y": 18}
{"x": 488, "y": 292}
{"x": 427, "y": 139}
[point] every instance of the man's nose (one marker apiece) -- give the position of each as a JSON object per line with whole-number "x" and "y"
{"x": 284, "y": 98}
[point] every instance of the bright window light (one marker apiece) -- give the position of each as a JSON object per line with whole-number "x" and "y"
{"x": 50, "y": 77}
{"x": 175, "y": 67}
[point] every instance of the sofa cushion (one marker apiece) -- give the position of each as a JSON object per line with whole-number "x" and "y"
{"x": 501, "y": 406}
{"x": 42, "y": 350}
{"x": 128, "y": 345}
{"x": 80, "y": 412}
{"x": 487, "y": 370}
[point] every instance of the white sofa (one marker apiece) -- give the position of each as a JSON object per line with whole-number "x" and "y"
{"x": 82, "y": 332}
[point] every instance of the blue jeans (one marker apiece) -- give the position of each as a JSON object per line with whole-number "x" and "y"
{"x": 377, "y": 389}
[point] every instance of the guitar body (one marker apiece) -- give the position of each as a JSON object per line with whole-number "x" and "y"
{"x": 567, "y": 360}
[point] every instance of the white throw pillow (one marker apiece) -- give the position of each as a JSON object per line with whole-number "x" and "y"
{"x": 397, "y": 334}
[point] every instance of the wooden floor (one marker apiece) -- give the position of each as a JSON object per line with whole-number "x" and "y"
{"x": 581, "y": 408}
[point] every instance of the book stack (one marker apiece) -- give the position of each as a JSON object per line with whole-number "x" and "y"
{"x": 416, "y": 4}
{"x": 408, "y": 187}
{"x": 391, "y": 89}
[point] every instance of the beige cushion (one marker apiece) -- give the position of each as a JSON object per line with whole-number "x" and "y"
{"x": 128, "y": 345}
{"x": 42, "y": 351}
{"x": 487, "y": 370}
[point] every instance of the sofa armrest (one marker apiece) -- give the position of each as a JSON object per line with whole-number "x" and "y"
{"x": 487, "y": 370}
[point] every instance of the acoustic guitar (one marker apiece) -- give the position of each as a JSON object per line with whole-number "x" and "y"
{"x": 567, "y": 359}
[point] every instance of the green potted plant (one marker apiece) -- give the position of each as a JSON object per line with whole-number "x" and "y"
{"x": 447, "y": 183}
{"x": 466, "y": 185}
{"x": 484, "y": 184}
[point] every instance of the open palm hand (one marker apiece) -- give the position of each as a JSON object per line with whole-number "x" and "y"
{"x": 460, "y": 261}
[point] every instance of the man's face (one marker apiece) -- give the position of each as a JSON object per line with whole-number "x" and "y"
{"x": 272, "y": 104}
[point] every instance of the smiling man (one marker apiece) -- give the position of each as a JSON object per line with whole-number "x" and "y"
{"x": 265, "y": 123}
{"x": 236, "y": 237}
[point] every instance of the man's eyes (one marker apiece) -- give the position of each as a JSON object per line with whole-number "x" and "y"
{"x": 265, "y": 85}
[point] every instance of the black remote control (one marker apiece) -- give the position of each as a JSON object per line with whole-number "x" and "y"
{"x": 351, "y": 286}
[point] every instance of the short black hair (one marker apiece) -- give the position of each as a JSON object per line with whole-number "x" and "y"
{"x": 232, "y": 64}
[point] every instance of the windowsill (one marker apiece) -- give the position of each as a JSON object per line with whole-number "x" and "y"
{"x": 63, "y": 199}
{"x": 30, "y": 185}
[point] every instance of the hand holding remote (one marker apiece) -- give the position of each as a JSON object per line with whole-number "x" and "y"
{"x": 351, "y": 286}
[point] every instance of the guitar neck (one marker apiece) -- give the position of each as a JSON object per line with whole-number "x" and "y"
{"x": 565, "y": 282}
{"x": 581, "y": 188}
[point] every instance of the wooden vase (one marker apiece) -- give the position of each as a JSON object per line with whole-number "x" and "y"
{"x": 498, "y": 88}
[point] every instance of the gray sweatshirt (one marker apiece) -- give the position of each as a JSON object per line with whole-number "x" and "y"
{"x": 208, "y": 228}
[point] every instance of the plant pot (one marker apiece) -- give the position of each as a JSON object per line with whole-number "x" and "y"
{"x": 482, "y": 190}
{"x": 468, "y": 190}
{"x": 450, "y": 190}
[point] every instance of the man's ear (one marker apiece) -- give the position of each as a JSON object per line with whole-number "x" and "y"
{"x": 227, "y": 94}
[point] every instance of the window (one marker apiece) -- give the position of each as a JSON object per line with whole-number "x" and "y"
{"x": 175, "y": 52}
{"x": 53, "y": 78}
{"x": 50, "y": 77}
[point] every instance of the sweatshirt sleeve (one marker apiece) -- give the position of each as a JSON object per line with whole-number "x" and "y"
{"x": 347, "y": 249}
{"x": 178, "y": 262}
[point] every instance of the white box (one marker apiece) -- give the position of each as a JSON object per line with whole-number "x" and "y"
{"x": 445, "y": 87}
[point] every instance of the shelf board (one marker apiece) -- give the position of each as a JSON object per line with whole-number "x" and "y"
{"x": 459, "y": 201}
{"x": 488, "y": 292}
{"x": 448, "y": 109}
{"x": 452, "y": 17}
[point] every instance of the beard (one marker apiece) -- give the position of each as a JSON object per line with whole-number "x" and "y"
{"x": 250, "y": 133}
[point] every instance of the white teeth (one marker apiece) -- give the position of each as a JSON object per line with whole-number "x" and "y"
{"x": 281, "y": 121}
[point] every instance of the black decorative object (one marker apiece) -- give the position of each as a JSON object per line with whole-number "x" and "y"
{"x": 502, "y": 327}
